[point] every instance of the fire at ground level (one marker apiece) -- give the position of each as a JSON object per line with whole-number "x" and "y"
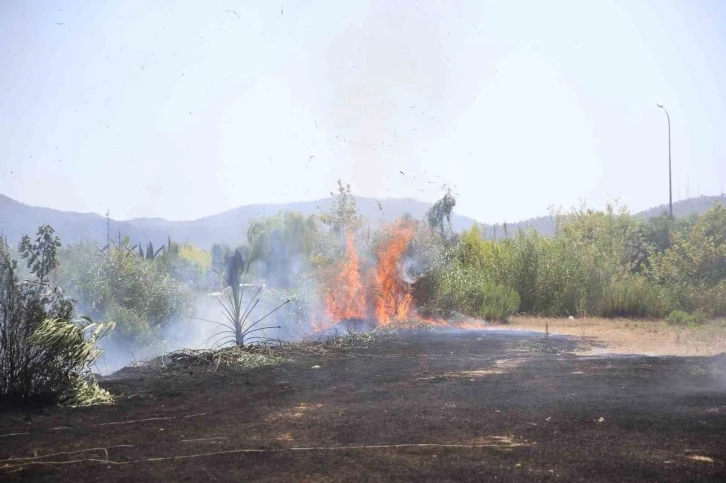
{"x": 444, "y": 405}
{"x": 377, "y": 294}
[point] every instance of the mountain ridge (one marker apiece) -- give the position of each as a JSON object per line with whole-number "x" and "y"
{"x": 230, "y": 226}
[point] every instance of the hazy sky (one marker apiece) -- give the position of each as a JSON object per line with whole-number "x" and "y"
{"x": 186, "y": 108}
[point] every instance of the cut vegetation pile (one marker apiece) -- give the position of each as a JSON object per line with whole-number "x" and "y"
{"x": 229, "y": 356}
{"x": 270, "y": 353}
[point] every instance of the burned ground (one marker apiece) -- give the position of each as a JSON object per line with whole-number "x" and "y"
{"x": 444, "y": 405}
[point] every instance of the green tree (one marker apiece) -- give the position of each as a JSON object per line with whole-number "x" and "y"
{"x": 439, "y": 215}
{"x": 696, "y": 257}
{"x": 343, "y": 216}
{"x": 41, "y": 254}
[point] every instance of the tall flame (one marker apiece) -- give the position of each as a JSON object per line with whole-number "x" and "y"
{"x": 346, "y": 297}
{"x": 393, "y": 301}
{"x": 382, "y": 296}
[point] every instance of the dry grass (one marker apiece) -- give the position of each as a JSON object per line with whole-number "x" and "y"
{"x": 621, "y": 336}
{"x": 229, "y": 356}
{"x": 272, "y": 352}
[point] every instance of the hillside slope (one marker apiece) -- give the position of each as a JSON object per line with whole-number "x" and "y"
{"x": 17, "y": 219}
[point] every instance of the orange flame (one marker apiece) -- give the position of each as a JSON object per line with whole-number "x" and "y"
{"x": 384, "y": 292}
{"x": 393, "y": 301}
{"x": 346, "y": 297}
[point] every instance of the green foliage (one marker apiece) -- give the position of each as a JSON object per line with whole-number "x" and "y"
{"x": 41, "y": 253}
{"x": 598, "y": 262}
{"x": 71, "y": 350}
{"x": 680, "y": 317}
{"x": 470, "y": 277}
{"x": 43, "y": 350}
{"x": 174, "y": 248}
{"x": 439, "y": 215}
{"x": 139, "y": 294}
{"x": 712, "y": 300}
{"x": 694, "y": 267}
{"x": 343, "y": 215}
{"x": 634, "y": 296}
{"x": 193, "y": 255}
{"x": 281, "y": 247}
{"x": 470, "y": 292}
{"x": 188, "y": 265}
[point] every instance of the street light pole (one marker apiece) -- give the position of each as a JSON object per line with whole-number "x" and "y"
{"x": 670, "y": 179}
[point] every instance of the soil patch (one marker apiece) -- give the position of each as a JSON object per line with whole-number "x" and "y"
{"x": 442, "y": 405}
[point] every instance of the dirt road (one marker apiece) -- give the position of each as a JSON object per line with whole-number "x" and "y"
{"x": 427, "y": 406}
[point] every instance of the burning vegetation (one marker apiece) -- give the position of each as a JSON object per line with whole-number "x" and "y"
{"x": 296, "y": 275}
{"x": 377, "y": 293}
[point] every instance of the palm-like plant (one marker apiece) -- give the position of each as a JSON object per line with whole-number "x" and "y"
{"x": 237, "y": 328}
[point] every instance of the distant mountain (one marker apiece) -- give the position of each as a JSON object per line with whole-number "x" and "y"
{"x": 685, "y": 208}
{"x": 17, "y": 219}
{"x": 681, "y": 209}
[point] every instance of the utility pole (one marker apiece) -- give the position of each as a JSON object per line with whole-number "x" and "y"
{"x": 670, "y": 179}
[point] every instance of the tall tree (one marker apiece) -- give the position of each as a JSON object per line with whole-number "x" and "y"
{"x": 343, "y": 216}
{"x": 41, "y": 254}
{"x": 439, "y": 215}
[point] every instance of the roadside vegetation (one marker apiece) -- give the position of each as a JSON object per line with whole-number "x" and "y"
{"x": 599, "y": 263}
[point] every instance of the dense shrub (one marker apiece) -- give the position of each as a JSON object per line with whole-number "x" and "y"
{"x": 137, "y": 293}
{"x": 598, "y": 262}
{"x": 468, "y": 291}
{"x": 711, "y": 301}
{"x": 44, "y": 351}
{"x": 634, "y": 297}
{"x": 680, "y": 317}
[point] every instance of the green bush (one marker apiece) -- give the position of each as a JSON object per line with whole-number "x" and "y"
{"x": 44, "y": 351}
{"x": 467, "y": 291}
{"x": 602, "y": 262}
{"x": 136, "y": 292}
{"x": 491, "y": 301}
{"x": 634, "y": 297}
{"x": 682, "y": 318}
{"x": 70, "y": 351}
{"x": 711, "y": 301}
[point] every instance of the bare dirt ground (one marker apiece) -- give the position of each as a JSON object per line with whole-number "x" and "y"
{"x": 442, "y": 405}
{"x": 626, "y": 336}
